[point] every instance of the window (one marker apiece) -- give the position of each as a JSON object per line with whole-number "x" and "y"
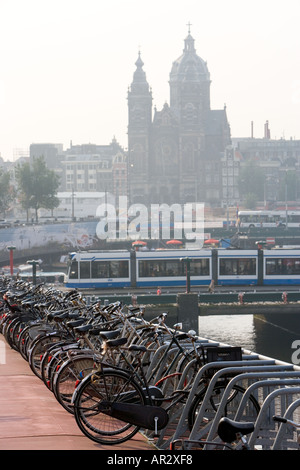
{"x": 73, "y": 270}
{"x": 237, "y": 266}
{"x": 172, "y": 268}
{"x": 110, "y": 269}
{"x": 282, "y": 266}
{"x": 85, "y": 270}
{"x": 161, "y": 268}
{"x": 199, "y": 267}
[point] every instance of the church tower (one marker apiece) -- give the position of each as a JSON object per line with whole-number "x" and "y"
{"x": 139, "y": 130}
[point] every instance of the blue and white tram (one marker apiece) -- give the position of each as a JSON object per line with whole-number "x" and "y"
{"x": 118, "y": 269}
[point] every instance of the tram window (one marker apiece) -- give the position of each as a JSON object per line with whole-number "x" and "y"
{"x": 294, "y": 219}
{"x": 172, "y": 268}
{"x": 161, "y": 268}
{"x": 199, "y": 267}
{"x": 100, "y": 269}
{"x": 285, "y": 266}
{"x": 73, "y": 270}
{"x": 119, "y": 269}
{"x": 85, "y": 270}
{"x": 238, "y": 266}
{"x": 110, "y": 269}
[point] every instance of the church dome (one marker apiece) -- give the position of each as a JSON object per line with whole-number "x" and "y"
{"x": 189, "y": 66}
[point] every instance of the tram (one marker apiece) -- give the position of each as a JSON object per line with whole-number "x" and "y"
{"x": 44, "y": 277}
{"x": 167, "y": 268}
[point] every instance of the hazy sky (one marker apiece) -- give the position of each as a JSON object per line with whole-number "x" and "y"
{"x": 66, "y": 65}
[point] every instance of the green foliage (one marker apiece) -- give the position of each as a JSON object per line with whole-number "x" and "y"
{"x": 6, "y": 191}
{"x": 37, "y": 185}
{"x": 252, "y": 181}
{"x": 288, "y": 186}
{"x": 250, "y": 201}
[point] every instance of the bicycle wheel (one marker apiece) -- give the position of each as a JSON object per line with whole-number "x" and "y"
{"x": 36, "y": 353}
{"x": 53, "y": 357}
{"x": 8, "y": 332}
{"x": 93, "y": 403}
{"x": 29, "y": 335}
{"x": 70, "y": 374}
{"x": 250, "y": 411}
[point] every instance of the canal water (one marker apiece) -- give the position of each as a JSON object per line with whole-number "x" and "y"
{"x": 274, "y": 335}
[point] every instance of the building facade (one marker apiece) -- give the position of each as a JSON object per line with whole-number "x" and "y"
{"x": 278, "y": 161}
{"x": 174, "y": 154}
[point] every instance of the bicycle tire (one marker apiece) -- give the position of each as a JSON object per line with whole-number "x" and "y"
{"x": 22, "y": 340}
{"x": 29, "y": 335}
{"x": 70, "y": 374}
{"x": 215, "y": 399}
{"x": 50, "y": 360}
{"x": 8, "y": 332}
{"x": 55, "y": 356}
{"x": 36, "y": 353}
{"x": 99, "y": 388}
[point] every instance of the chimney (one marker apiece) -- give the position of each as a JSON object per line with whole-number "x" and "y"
{"x": 267, "y": 134}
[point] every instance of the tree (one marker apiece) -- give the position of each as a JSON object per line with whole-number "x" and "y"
{"x": 37, "y": 185}
{"x": 288, "y": 186}
{"x": 6, "y": 191}
{"x": 251, "y": 181}
{"x": 250, "y": 201}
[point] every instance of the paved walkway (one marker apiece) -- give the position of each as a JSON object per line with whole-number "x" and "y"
{"x": 32, "y": 419}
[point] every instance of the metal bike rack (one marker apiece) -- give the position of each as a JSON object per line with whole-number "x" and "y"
{"x": 195, "y": 434}
{"x": 272, "y": 380}
{"x": 225, "y": 367}
{"x": 265, "y": 408}
{"x": 282, "y": 431}
{"x": 263, "y": 383}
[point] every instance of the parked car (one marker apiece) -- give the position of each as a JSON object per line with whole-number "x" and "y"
{"x": 4, "y": 223}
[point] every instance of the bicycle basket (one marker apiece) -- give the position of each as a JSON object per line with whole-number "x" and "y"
{"x": 222, "y": 353}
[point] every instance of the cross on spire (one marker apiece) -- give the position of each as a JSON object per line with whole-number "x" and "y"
{"x": 189, "y": 26}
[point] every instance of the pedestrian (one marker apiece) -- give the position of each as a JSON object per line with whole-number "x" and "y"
{"x": 211, "y": 287}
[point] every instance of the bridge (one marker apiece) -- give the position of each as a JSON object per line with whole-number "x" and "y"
{"x": 51, "y": 240}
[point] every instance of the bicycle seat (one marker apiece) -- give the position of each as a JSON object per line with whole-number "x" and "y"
{"x": 109, "y": 334}
{"x": 75, "y": 323}
{"x": 83, "y": 328}
{"x": 114, "y": 343}
{"x": 180, "y": 336}
{"x": 228, "y": 429}
{"x": 137, "y": 347}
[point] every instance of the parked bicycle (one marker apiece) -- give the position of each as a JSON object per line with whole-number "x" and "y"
{"x": 232, "y": 436}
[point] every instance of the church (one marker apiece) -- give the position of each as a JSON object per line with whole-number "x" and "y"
{"x": 175, "y": 154}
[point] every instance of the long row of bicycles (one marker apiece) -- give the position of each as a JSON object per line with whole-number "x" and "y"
{"x": 119, "y": 373}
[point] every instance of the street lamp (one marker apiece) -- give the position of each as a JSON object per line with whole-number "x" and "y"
{"x": 34, "y": 264}
{"x": 11, "y": 258}
{"x": 286, "y": 201}
{"x": 188, "y": 273}
{"x": 73, "y": 196}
